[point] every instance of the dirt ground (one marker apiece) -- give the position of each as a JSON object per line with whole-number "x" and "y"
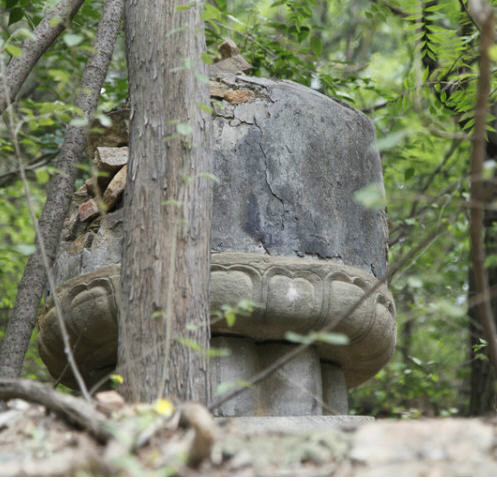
{"x": 35, "y": 441}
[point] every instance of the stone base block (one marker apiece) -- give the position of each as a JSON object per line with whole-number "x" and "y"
{"x": 334, "y": 389}
{"x": 289, "y": 424}
{"x": 302, "y": 387}
{"x": 296, "y": 388}
{"x": 227, "y": 371}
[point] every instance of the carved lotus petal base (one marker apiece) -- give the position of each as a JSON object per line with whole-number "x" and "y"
{"x": 291, "y": 294}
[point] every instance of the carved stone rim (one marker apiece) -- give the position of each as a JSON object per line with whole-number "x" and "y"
{"x": 291, "y": 294}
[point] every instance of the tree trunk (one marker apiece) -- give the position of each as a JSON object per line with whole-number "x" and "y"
{"x": 167, "y": 206}
{"x": 483, "y": 392}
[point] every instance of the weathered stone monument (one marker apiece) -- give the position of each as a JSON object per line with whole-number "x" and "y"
{"x": 286, "y": 234}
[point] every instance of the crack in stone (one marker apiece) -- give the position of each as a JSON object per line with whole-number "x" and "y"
{"x": 269, "y": 185}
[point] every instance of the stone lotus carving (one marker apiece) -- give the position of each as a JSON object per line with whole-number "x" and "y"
{"x": 298, "y": 295}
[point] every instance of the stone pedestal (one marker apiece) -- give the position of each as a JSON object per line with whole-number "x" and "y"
{"x": 286, "y": 234}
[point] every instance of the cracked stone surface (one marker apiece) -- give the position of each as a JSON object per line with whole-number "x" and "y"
{"x": 289, "y": 160}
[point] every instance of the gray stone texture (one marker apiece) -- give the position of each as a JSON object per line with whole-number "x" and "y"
{"x": 294, "y": 389}
{"x": 299, "y": 387}
{"x": 335, "y": 397}
{"x": 228, "y": 371}
{"x": 289, "y": 163}
{"x": 296, "y": 424}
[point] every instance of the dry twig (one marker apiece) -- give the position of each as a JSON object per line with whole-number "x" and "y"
{"x": 79, "y": 411}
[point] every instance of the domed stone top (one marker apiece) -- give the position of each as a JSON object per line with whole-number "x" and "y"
{"x": 289, "y": 162}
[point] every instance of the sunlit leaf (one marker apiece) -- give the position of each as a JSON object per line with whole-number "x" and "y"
{"x": 72, "y": 39}
{"x": 371, "y": 197}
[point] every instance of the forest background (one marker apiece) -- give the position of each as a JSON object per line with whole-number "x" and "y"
{"x": 411, "y": 66}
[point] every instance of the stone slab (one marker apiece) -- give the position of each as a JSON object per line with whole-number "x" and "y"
{"x": 294, "y": 424}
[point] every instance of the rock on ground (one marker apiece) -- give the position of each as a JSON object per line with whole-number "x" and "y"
{"x": 36, "y": 442}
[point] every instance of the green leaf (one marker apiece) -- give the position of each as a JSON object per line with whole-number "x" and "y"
{"x": 55, "y": 20}
{"x": 316, "y": 45}
{"x": 205, "y": 108}
{"x": 183, "y": 7}
{"x": 206, "y": 58}
{"x": 230, "y": 318}
{"x": 59, "y": 76}
{"x": 492, "y": 52}
{"x": 73, "y": 39}
{"x": 218, "y": 352}
{"x": 490, "y": 261}
{"x": 42, "y": 176}
{"x": 391, "y": 140}
{"x": 208, "y": 175}
{"x": 13, "y": 50}
{"x": 190, "y": 343}
{"x": 334, "y": 338}
{"x": 79, "y": 122}
{"x": 408, "y": 173}
{"x": 211, "y": 13}
{"x": 371, "y": 197}
{"x": 225, "y": 387}
{"x": 298, "y": 338}
{"x": 16, "y": 14}
{"x": 184, "y": 129}
{"x": 202, "y": 77}
{"x": 25, "y": 249}
{"x": 105, "y": 120}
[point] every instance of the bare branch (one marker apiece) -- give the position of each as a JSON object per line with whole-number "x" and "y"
{"x": 41, "y": 244}
{"x": 468, "y": 13}
{"x": 77, "y": 410}
{"x": 40, "y": 161}
{"x": 485, "y": 17}
{"x": 395, "y": 10}
{"x": 18, "y": 69}
{"x": 60, "y": 191}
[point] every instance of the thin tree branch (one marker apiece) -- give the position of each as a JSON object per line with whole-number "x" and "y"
{"x": 38, "y": 162}
{"x": 77, "y": 410}
{"x": 395, "y": 10}
{"x": 468, "y": 13}
{"x": 41, "y": 246}
{"x": 486, "y": 19}
{"x": 18, "y": 69}
{"x": 61, "y": 187}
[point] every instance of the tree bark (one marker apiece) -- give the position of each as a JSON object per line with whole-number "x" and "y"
{"x": 54, "y": 23}
{"x": 60, "y": 190}
{"x": 483, "y": 390}
{"x": 167, "y": 206}
{"x": 482, "y": 381}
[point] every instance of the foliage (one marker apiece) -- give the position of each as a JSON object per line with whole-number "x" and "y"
{"x": 410, "y": 65}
